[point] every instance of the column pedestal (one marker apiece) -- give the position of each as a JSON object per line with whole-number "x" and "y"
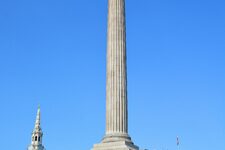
{"x": 119, "y": 145}
{"x": 116, "y": 142}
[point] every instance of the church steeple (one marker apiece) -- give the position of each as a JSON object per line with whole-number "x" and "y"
{"x": 37, "y": 134}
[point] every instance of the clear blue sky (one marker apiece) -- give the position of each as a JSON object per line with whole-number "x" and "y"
{"x": 53, "y": 53}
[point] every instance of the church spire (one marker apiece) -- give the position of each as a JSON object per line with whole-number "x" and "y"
{"x": 37, "y": 134}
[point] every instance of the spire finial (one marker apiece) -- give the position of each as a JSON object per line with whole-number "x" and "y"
{"x": 38, "y": 119}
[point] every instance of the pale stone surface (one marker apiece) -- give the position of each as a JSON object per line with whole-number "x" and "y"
{"x": 37, "y": 134}
{"x": 116, "y": 85}
{"x": 116, "y": 136}
{"x": 121, "y": 145}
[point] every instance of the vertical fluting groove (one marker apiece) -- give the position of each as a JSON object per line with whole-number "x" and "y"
{"x": 110, "y": 66}
{"x": 116, "y": 43}
{"x": 119, "y": 71}
{"x": 114, "y": 70}
{"x": 112, "y": 47}
{"x": 125, "y": 71}
{"x": 113, "y": 67}
{"x": 125, "y": 59}
{"x": 107, "y": 78}
{"x": 111, "y": 63}
{"x": 120, "y": 75}
{"x": 111, "y": 76}
{"x": 123, "y": 86}
{"x": 116, "y": 67}
{"x": 110, "y": 73}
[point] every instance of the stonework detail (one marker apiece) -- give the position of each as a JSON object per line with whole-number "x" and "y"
{"x": 37, "y": 134}
{"x": 116, "y": 135}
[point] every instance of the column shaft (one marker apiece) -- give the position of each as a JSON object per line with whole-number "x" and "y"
{"x": 116, "y": 84}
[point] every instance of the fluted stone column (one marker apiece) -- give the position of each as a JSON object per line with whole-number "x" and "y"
{"x": 116, "y": 85}
{"x": 116, "y": 136}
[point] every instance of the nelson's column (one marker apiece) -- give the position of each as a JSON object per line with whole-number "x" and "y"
{"x": 116, "y": 135}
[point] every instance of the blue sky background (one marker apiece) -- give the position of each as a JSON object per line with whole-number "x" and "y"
{"x": 53, "y": 53}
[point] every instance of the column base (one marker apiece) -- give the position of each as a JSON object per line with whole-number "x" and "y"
{"x": 116, "y": 143}
{"x": 121, "y": 145}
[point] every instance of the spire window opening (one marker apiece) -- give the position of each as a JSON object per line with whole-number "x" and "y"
{"x": 39, "y": 139}
{"x": 35, "y": 138}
